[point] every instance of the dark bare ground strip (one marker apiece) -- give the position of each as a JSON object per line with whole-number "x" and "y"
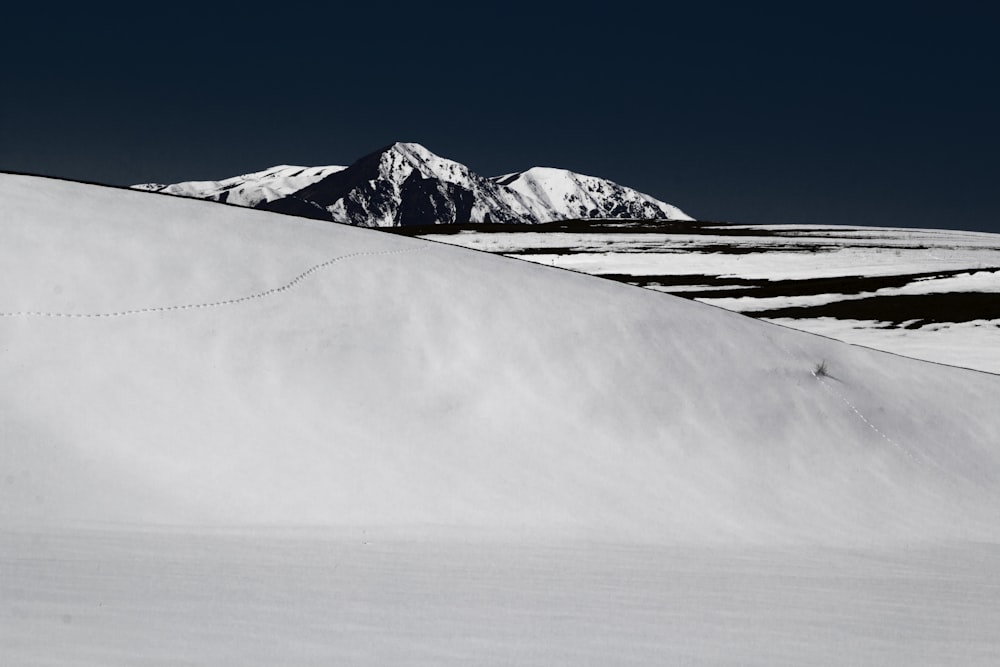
{"x": 896, "y": 309}
{"x": 796, "y": 287}
{"x": 545, "y": 251}
{"x": 683, "y": 279}
{"x": 714, "y": 249}
{"x": 589, "y": 227}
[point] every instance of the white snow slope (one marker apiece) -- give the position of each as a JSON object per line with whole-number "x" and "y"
{"x": 184, "y": 363}
{"x": 248, "y": 189}
{"x": 174, "y": 363}
{"x": 557, "y": 194}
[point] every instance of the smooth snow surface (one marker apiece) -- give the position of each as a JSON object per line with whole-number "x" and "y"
{"x": 236, "y": 437}
{"x": 108, "y": 599}
{"x": 248, "y": 189}
{"x": 178, "y": 362}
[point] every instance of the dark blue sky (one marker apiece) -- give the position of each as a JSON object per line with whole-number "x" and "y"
{"x": 806, "y": 112}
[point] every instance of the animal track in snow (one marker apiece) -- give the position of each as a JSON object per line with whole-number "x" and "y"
{"x": 216, "y": 304}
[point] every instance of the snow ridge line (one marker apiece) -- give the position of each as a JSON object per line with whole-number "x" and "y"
{"x": 216, "y": 304}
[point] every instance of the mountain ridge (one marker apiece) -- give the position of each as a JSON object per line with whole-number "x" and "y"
{"x": 404, "y": 184}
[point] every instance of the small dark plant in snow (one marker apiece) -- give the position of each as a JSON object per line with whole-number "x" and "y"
{"x": 821, "y": 370}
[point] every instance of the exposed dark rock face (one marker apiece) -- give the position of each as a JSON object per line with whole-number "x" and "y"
{"x": 424, "y": 199}
{"x": 296, "y": 206}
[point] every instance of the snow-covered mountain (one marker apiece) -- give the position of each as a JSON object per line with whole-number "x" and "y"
{"x": 406, "y": 185}
{"x": 557, "y": 194}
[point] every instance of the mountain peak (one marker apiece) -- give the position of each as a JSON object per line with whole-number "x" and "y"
{"x": 404, "y": 183}
{"x": 410, "y": 147}
{"x": 407, "y": 151}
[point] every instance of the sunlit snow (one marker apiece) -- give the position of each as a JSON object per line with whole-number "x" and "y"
{"x": 237, "y": 437}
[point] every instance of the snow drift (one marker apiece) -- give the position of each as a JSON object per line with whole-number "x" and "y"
{"x": 171, "y": 361}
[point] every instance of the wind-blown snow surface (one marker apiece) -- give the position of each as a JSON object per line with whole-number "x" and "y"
{"x": 171, "y": 362}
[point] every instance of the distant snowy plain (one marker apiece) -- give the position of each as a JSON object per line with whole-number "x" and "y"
{"x": 232, "y": 437}
{"x": 905, "y": 291}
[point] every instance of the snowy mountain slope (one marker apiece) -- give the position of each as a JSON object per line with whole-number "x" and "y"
{"x": 183, "y": 363}
{"x": 405, "y": 185}
{"x": 556, "y": 194}
{"x": 252, "y": 189}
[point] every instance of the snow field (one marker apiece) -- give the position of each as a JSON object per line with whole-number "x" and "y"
{"x": 235, "y": 437}
{"x": 308, "y": 597}
{"x": 443, "y": 388}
